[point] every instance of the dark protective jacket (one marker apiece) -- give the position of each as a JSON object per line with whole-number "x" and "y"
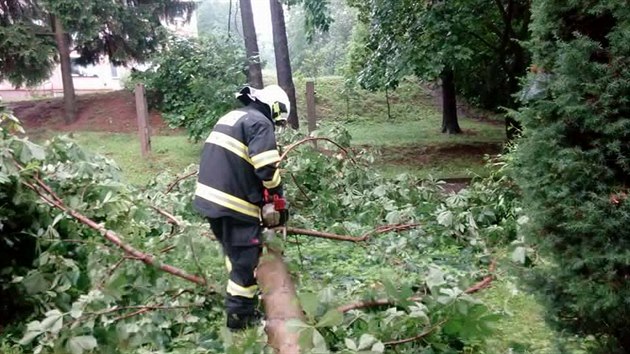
{"x": 238, "y": 161}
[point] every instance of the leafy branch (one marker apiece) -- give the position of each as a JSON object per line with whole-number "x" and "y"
{"x": 50, "y": 197}
{"x": 417, "y": 337}
{"x": 337, "y": 237}
{"x": 306, "y": 140}
{"x": 173, "y": 184}
{"x": 371, "y": 303}
{"x": 485, "y": 282}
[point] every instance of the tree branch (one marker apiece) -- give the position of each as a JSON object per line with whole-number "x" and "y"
{"x": 418, "y": 337}
{"x": 320, "y": 234}
{"x": 483, "y": 40}
{"x": 171, "y": 218}
{"x": 371, "y": 303}
{"x": 504, "y": 14}
{"x": 337, "y": 237}
{"x": 300, "y": 188}
{"x": 53, "y": 200}
{"x": 140, "y": 309}
{"x": 485, "y": 282}
{"x": 305, "y": 140}
{"x": 172, "y": 185}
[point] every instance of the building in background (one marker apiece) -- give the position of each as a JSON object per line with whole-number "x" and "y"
{"x": 101, "y": 77}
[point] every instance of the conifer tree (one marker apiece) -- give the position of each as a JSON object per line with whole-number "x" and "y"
{"x": 573, "y": 165}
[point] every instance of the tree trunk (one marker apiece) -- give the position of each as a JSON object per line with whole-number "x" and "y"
{"x": 449, "y": 103}
{"x": 283, "y": 63}
{"x": 389, "y": 109}
{"x": 251, "y": 45}
{"x": 281, "y": 304}
{"x": 63, "y": 46}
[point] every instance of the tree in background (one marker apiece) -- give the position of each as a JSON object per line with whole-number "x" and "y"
{"x": 442, "y": 40}
{"x": 325, "y": 53}
{"x": 251, "y": 45}
{"x": 193, "y": 81}
{"x": 573, "y": 165}
{"x": 26, "y": 56}
{"x": 123, "y": 30}
{"x": 216, "y": 16}
{"x": 283, "y": 63}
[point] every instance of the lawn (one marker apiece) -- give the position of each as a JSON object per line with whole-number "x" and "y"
{"x": 168, "y": 153}
{"x": 410, "y": 142}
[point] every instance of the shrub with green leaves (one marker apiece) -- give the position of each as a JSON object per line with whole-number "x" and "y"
{"x": 573, "y": 165}
{"x": 193, "y": 81}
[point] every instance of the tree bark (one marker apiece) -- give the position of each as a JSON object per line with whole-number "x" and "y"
{"x": 389, "y": 109}
{"x": 283, "y": 63}
{"x": 63, "y": 46}
{"x": 281, "y": 304}
{"x": 449, "y": 103}
{"x": 251, "y": 45}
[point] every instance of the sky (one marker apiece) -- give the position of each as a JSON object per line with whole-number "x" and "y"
{"x": 262, "y": 18}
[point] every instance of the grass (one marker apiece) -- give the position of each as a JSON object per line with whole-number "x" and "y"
{"x": 169, "y": 153}
{"x": 423, "y": 132}
{"x": 522, "y": 329}
{"x": 415, "y": 122}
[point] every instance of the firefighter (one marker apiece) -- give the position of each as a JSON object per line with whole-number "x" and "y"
{"x": 237, "y": 169}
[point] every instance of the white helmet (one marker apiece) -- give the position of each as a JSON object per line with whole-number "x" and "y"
{"x": 273, "y": 96}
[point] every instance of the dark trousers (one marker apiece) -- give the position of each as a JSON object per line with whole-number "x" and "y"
{"x": 242, "y": 247}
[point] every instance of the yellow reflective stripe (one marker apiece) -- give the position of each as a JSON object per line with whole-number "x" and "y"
{"x": 226, "y": 200}
{"x": 275, "y": 181}
{"x": 227, "y": 142}
{"x": 231, "y": 118}
{"x": 265, "y": 158}
{"x": 237, "y": 290}
{"x": 228, "y": 264}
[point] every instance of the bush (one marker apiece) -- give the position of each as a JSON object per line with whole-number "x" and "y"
{"x": 573, "y": 165}
{"x": 193, "y": 82}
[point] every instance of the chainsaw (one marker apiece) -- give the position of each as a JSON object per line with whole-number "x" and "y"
{"x": 275, "y": 212}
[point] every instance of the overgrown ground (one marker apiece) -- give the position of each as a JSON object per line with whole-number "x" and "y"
{"x": 410, "y": 142}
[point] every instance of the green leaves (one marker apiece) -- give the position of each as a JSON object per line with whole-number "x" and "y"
{"x": 193, "y": 82}
{"x": 572, "y": 168}
{"x": 30, "y": 151}
{"x": 330, "y": 319}
{"x": 77, "y": 345}
{"x": 51, "y": 324}
{"x": 367, "y": 344}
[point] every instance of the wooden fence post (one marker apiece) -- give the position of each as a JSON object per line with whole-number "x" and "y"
{"x": 310, "y": 106}
{"x": 144, "y": 128}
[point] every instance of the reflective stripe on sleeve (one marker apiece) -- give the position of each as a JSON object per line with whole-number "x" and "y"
{"x": 237, "y": 290}
{"x": 229, "y": 143}
{"x": 227, "y": 200}
{"x": 275, "y": 181}
{"x": 231, "y": 118}
{"x": 265, "y": 158}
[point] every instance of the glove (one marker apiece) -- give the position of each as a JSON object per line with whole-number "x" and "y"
{"x": 270, "y": 216}
{"x": 275, "y": 212}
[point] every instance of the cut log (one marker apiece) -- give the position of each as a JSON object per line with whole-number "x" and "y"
{"x": 280, "y": 302}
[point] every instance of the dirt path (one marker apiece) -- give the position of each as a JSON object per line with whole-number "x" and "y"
{"x": 109, "y": 112}
{"x": 430, "y": 154}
